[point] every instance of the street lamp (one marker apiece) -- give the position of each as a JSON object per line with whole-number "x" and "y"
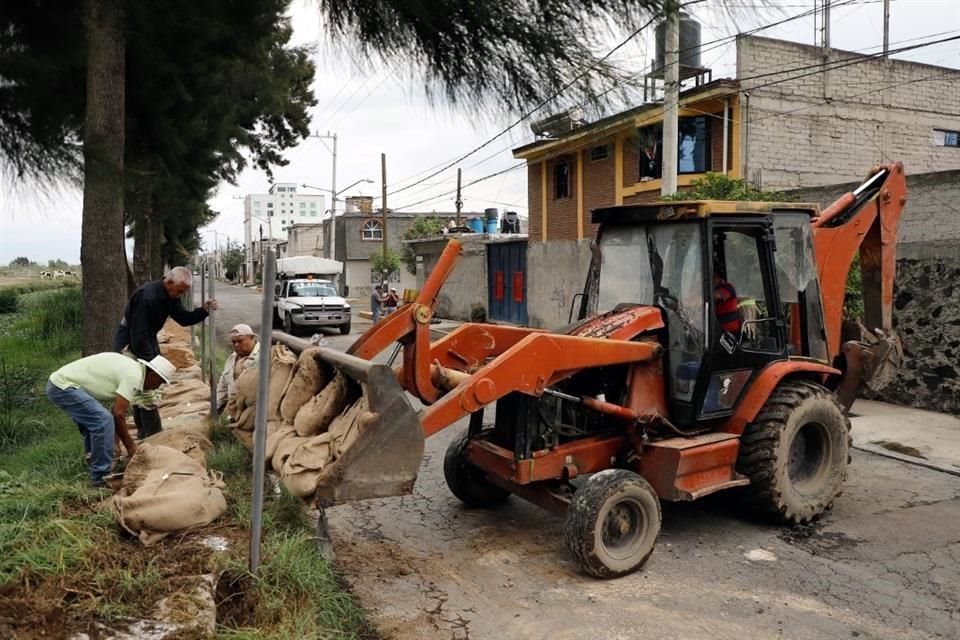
{"x": 333, "y": 207}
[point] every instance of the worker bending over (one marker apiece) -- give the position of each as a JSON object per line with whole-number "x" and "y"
{"x": 146, "y": 312}
{"x": 79, "y": 387}
{"x": 246, "y": 348}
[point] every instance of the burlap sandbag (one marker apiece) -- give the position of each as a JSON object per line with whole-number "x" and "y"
{"x": 193, "y": 372}
{"x": 180, "y": 356}
{"x": 276, "y": 431}
{"x": 282, "y": 361}
{"x": 306, "y": 381}
{"x": 303, "y": 467}
{"x": 169, "y": 502}
{"x": 247, "y": 420}
{"x": 152, "y": 457}
{"x": 198, "y": 423}
{"x": 284, "y": 449}
{"x": 246, "y": 392}
{"x": 184, "y": 391}
{"x": 347, "y": 426}
{"x": 316, "y": 415}
{"x": 184, "y": 440}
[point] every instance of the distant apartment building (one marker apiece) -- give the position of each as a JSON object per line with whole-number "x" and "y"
{"x": 273, "y": 214}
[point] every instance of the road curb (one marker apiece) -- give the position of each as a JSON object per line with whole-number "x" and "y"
{"x": 880, "y": 451}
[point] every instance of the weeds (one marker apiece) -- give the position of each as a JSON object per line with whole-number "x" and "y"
{"x": 55, "y": 319}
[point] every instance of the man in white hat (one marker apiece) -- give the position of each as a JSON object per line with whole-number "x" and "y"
{"x": 246, "y": 348}
{"x": 80, "y": 387}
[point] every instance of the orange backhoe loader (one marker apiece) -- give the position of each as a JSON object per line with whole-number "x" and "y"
{"x": 706, "y": 355}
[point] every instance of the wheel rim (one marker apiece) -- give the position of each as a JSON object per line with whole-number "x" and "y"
{"x": 623, "y": 530}
{"x": 810, "y": 452}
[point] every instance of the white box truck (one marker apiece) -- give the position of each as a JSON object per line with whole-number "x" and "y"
{"x": 306, "y": 297}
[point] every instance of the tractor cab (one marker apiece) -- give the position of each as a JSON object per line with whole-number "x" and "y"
{"x": 735, "y": 283}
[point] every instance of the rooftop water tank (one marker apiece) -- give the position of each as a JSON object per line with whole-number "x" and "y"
{"x": 689, "y": 42}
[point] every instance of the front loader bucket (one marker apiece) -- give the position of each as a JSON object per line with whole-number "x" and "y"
{"x": 385, "y": 457}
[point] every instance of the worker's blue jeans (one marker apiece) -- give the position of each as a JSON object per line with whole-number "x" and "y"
{"x": 96, "y": 427}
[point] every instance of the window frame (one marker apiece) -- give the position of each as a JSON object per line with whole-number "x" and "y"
{"x": 376, "y": 231}
{"x": 565, "y": 164}
{"x": 606, "y": 152}
{"x": 951, "y": 138}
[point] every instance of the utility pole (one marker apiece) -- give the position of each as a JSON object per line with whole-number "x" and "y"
{"x": 383, "y": 220}
{"x": 671, "y": 99}
{"x": 333, "y": 188}
{"x": 459, "y": 201}
{"x": 886, "y": 28}
{"x": 826, "y": 49}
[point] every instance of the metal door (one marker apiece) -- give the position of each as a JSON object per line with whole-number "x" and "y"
{"x": 507, "y": 282}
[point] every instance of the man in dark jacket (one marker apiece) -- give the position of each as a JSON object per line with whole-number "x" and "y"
{"x": 146, "y": 312}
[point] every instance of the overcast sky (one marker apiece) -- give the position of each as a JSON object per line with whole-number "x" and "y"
{"x": 382, "y": 110}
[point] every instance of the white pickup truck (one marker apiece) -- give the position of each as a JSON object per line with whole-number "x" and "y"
{"x": 303, "y": 301}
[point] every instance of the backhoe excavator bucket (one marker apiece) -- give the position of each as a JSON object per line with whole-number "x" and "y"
{"x": 384, "y": 457}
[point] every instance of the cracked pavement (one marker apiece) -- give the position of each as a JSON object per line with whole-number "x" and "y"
{"x": 883, "y": 564}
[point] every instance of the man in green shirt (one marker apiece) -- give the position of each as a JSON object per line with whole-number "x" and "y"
{"x": 80, "y": 387}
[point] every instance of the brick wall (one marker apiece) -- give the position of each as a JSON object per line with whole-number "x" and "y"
{"x": 534, "y": 200}
{"x": 562, "y": 212}
{"x": 598, "y": 187}
{"x": 829, "y": 128}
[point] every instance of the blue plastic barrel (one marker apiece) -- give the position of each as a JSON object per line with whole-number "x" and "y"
{"x": 475, "y": 224}
{"x": 492, "y": 226}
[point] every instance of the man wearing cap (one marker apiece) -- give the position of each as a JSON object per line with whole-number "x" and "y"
{"x": 80, "y": 387}
{"x": 146, "y": 312}
{"x": 246, "y": 348}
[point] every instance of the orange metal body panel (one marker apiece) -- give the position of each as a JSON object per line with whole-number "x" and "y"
{"x": 689, "y": 468}
{"x": 621, "y": 325}
{"x": 587, "y": 455}
{"x": 529, "y": 366}
{"x": 647, "y": 388}
{"x": 761, "y": 388}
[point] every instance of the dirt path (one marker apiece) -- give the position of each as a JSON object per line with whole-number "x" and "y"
{"x": 884, "y": 564}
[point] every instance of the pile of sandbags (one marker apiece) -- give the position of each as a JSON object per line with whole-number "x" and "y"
{"x": 313, "y": 416}
{"x": 167, "y": 491}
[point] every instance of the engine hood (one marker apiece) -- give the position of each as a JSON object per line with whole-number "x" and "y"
{"x": 620, "y": 324}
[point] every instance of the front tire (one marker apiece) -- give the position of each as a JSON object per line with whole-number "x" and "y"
{"x": 795, "y": 453}
{"x": 612, "y": 523}
{"x": 288, "y": 326}
{"x": 466, "y": 481}
{"x": 345, "y": 329}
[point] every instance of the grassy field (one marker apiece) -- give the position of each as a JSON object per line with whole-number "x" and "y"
{"x": 64, "y": 564}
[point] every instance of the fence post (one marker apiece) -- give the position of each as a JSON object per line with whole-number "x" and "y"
{"x": 260, "y": 425}
{"x": 203, "y": 325}
{"x": 213, "y": 349}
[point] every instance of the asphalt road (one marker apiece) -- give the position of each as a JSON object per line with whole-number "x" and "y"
{"x": 883, "y": 564}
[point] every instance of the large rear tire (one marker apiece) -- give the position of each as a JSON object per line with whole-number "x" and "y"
{"x": 466, "y": 481}
{"x": 795, "y": 453}
{"x": 612, "y": 523}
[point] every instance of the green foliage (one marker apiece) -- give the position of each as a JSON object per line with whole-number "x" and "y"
{"x": 853, "y": 294}
{"x": 422, "y": 227}
{"x": 233, "y": 259}
{"x": 385, "y": 264}
{"x": 21, "y": 262}
{"x": 54, "y": 319}
{"x": 717, "y": 186}
{"x": 57, "y": 264}
{"x": 8, "y": 301}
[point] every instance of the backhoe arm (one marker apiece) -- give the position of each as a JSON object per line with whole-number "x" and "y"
{"x": 865, "y": 221}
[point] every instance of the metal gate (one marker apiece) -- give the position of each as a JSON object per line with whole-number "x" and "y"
{"x": 507, "y": 281}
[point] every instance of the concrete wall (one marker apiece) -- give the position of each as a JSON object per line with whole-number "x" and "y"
{"x": 467, "y": 285}
{"x": 357, "y": 248}
{"x": 829, "y": 128}
{"x": 926, "y": 312}
{"x": 556, "y": 271}
{"x": 305, "y": 240}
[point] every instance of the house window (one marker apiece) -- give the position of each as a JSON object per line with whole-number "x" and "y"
{"x": 693, "y": 148}
{"x": 269, "y": 205}
{"x": 561, "y": 180}
{"x": 599, "y": 153}
{"x": 313, "y": 205}
{"x": 943, "y": 138}
{"x": 371, "y": 230}
{"x": 303, "y": 205}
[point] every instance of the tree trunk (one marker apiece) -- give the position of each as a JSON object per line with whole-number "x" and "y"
{"x": 101, "y": 250}
{"x": 156, "y": 247}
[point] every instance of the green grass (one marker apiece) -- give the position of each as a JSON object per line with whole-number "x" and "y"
{"x": 59, "y": 542}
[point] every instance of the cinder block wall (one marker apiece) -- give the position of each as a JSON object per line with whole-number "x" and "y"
{"x": 829, "y": 128}
{"x": 556, "y": 271}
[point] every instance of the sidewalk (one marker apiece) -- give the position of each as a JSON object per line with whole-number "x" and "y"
{"x": 911, "y": 435}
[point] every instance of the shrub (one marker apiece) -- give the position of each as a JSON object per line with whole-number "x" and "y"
{"x": 55, "y": 318}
